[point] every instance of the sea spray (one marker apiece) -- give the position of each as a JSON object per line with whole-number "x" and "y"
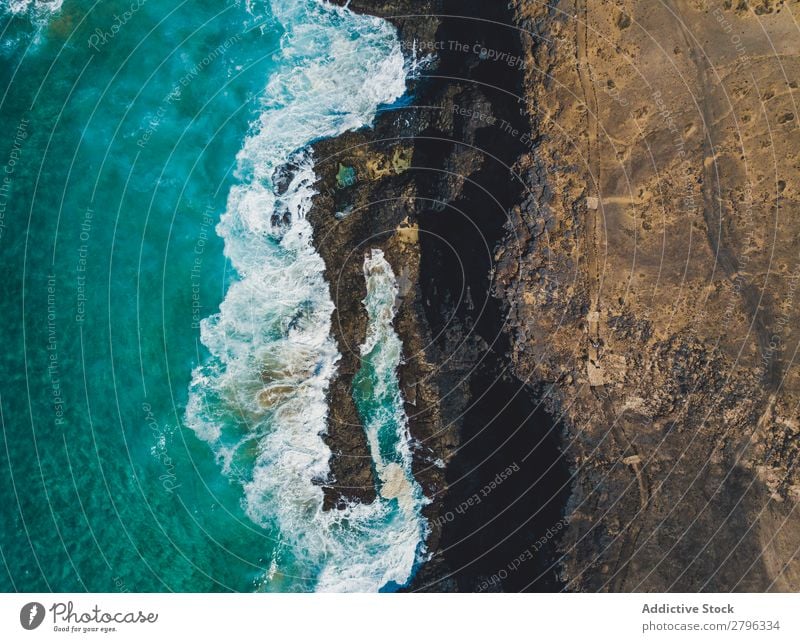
{"x": 31, "y": 17}
{"x": 259, "y": 399}
{"x": 33, "y": 8}
{"x": 378, "y": 397}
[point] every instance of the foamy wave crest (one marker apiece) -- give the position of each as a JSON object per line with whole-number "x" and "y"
{"x": 260, "y": 398}
{"x": 34, "y": 14}
{"x": 378, "y": 394}
{"x": 33, "y": 8}
{"x": 391, "y": 530}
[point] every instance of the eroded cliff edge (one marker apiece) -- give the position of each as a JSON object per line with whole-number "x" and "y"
{"x": 657, "y": 286}
{"x": 603, "y": 227}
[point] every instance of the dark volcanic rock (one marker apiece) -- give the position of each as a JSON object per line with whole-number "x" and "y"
{"x": 434, "y": 184}
{"x": 581, "y": 214}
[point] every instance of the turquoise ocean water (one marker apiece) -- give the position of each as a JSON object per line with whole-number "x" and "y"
{"x": 166, "y": 324}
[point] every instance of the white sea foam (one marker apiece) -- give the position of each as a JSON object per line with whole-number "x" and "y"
{"x": 387, "y": 424}
{"x": 38, "y": 14}
{"x": 38, "y": 8}
{"x": 260, "y": 399}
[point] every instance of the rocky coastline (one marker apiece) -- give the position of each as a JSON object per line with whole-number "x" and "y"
{"x": 431, "y": 188}
{"x": 565, "y": 389}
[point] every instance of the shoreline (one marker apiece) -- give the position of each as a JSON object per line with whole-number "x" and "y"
{"x": 455, "y": 377}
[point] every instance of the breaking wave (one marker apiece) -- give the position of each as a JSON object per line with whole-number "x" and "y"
{"x": 32, "y": 8}
{"x": 259, "y": 399}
